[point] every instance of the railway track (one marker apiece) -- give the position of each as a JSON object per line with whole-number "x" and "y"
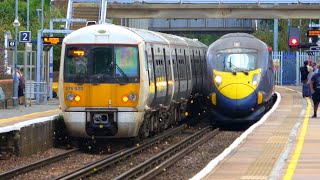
{"x": 97, "y": 165}
{"x": 160, "y": 162}
{"x": 106, "y": 162}
{"x": 153, "y": 165}
{"x": 30, "y": 167}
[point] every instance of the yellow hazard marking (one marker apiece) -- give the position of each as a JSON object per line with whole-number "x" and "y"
{"x": 294, "y": 161}
{"x": 7, "y": 120}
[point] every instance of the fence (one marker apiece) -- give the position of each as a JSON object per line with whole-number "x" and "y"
{"x": 287, "y": 66}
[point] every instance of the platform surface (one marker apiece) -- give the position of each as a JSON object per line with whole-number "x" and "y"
{"x": 285, "y": 146}
{"x": 24, "y": 113}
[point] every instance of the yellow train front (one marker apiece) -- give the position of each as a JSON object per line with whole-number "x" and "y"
{"x": 119, "y": 82}
{"x": 240, "y": 78}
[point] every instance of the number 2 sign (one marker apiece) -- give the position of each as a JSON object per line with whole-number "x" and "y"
{"x": 25, "y": 36}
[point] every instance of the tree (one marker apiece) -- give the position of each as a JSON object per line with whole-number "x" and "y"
{"x": 7, "y": 13}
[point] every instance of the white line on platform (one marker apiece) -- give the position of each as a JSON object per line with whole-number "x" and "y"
{"x": 20, "y": 125}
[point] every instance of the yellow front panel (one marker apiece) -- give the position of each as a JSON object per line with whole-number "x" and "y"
{"x": 236, "y": 86}
{"x": 101, "y": 95}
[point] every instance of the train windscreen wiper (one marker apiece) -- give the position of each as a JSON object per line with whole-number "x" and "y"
{"x": 125, "y": 77}
{"x": 241, "y": 69}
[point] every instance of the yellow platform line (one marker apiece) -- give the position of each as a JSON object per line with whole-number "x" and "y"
{"x": 32, "y": 115}
{"x": 294, "y": 161}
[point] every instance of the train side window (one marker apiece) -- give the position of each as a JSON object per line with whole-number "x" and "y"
{"x": 127, "y": 61}
{"x": 146, "y": 60}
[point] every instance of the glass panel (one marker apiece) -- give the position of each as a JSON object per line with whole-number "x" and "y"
{"x": 100, "y": 64}
{"x": 76, "y": 64}
{"x": 102, "y": 61}
{"x": 127, "y": 61}
{"x": 236, "y": 60}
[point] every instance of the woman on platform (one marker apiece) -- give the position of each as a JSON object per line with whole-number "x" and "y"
{"x": 21, "y": 86}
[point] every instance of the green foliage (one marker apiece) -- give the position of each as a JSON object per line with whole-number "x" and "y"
{"x": 265, "y": 32}
{"x": 7, "y": 14}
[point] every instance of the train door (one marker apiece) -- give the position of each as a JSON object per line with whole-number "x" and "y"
{"x": 182, "y": 73}
{"x": 175, "y": 73}
{"x": 194, "y": 71}
{"x": 168, "y": 75}
{"x": 160, "y": 80}
{"x": 204, "y": 68}
{"x": 200, "y": 72}
{"x": 152, "y": 77}
{"x": 188, "y": 73}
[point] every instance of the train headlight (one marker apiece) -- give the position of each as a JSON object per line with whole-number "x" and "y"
{"x": 132, "y": 96}
{"x": 70, "y": 96}
{"x": 218, "y": 79}
{"x": 77, "y": 98}
{"x": 125, "y": 99}
{"x": 255, "y": 79}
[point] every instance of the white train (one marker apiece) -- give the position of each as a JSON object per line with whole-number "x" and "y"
{"x": 119, "y": 82}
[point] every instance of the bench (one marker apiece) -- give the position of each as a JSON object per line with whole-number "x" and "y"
{"x": 4, "y": 100}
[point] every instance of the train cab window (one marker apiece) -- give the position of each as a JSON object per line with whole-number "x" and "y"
{"x": 239, "y": 61}
{"x": 126, "y": 61}
{"x": 102, "y": 61}
{"x": 100, "y": 64}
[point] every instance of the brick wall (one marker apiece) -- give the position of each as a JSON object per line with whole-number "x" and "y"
{"x": 7, "y": 86}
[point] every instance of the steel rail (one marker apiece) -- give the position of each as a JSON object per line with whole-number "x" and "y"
{"x": 101, "y": 164}
{"x": 154, "y": 161}
{"x": 35, "y": 165}
{"x": 169, "y": 162}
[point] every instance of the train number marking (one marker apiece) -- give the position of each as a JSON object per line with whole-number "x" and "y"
{"x": 77, "y": 88}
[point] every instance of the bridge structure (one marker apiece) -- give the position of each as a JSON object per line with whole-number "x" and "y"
{"x": 202, "y": 13}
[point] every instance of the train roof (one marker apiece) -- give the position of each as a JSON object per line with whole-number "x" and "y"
{"x": 123, "y": 35}
{"x": 107, "y": 33}
{"x": 232, "y": 35}
{"x": 243, "y": 40}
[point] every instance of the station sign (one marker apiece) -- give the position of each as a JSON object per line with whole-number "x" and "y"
{"x": 52, "y": 40}
{"x": 25, "y": 36}
{"x": 11, "y": 43}
{"x": 314, "y": 32}
{"x": 315, "y": 48}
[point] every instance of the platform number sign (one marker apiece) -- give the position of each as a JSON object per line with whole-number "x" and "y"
{"x": 25, "y": 36}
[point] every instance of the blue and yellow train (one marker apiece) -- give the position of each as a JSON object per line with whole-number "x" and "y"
{"x": 240, "y": 78}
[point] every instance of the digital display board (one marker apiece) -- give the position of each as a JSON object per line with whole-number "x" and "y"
{"x": 52, "y": 40}
{"x": 313, "y": 33}
{"x": 76, "y": 52}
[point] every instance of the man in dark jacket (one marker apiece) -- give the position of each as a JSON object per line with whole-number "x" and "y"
{"x": 304, "y": 72}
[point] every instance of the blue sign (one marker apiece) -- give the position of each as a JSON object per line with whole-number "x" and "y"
{"x": 315, "y": 48}
{"x": 25, "y": 36}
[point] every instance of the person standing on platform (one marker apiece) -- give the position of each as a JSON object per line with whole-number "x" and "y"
{"x": 304, "y": 72}
{"x": 316, "y": 70}
{"x": 311, "y": 71}
{"x": 315, "y": 91}
{"x": 21, "y": 86}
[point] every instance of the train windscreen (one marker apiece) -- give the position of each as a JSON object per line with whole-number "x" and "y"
{"x": 101, "y": 64}
{"x": 236, "y": 60}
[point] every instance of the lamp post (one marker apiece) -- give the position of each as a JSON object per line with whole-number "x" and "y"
{"x": 16, "y": 24}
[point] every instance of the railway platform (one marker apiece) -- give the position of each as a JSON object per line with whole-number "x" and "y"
{"x": 25, "y": 130}
{"x": 21, "y": 114}
{"x": 285, "y": 144}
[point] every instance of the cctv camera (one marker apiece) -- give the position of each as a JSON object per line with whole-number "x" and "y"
{"x": 16, "y": 23}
